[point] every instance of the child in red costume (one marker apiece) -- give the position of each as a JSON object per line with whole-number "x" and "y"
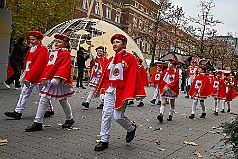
{"x": 154, "y": 80}
{"x": 219, "y": 90}
{"x": 201, "y": 88}
{"x": 210, "y": 75}
{"x": 96, "y": 67}
{"x": 169, "y": 88}
{"x": 58, "y": 83}
{"x": 120, "y": 82}
{"x": 231, "y": 94}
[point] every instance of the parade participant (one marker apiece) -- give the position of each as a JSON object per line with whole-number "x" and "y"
{"x": 231, "y": 94}
{"x": 58, "y": 83}
{"x": 120, "y": 80}
{"x": 35, "y": 62}
{"x": 143, "y": 77}
{"x": 210, "y": 75}
{"x": 16, "y": 62}
{"x": 232, "y": 78}
{"x": 96, "y": 68}
{"x": 154, "y": 80}
{"x": 200, "y": 90}
{"x": 192, "y": 72}
{"x": 169, "y": 88}
{"x": 219, "y": 90}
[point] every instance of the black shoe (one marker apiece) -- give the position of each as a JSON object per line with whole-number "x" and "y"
{"x": 68, "y": 123}
{"x": 141, "y": 104}
{"x": 203, "y": 115}
{"x": 101, "y": 146}
{"x": 77, "y": 86}
{"x": 100, "y": 106}
{"x": 222, "y": 111}
{"x": 34, "y": 127}
{"x": 85, "y": 104}
{"x": 153, "y": 101}
{"x": 215, "y": 113}
{"x": 82, "y": 87}
{"x": 228, "y": 110}
{"x": 130, "y": 135}
{"x": 187, "y": 96}
{"x": 160, "y": 118}
{"x": 15, "y": 115}
{"x": 48, "y": 114}
{"x": 169, "y": 118}
{"x": 159, "y": 103}
{"x": 191, "y": 116}
{"x": 131, "y": 102}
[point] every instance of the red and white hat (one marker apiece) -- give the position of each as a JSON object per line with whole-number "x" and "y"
{"x": 62, "y": 37}
{"x": 120, "y": 37}
{"x": 100, "y": 47}
{"x": 36, "y": 34}
{"x": 173, "y": 61}
{"x": 159, "y": 65}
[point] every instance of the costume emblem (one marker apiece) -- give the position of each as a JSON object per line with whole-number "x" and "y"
{"x": 216, "y": 83}
{"x": 157, "y": 77}
{"x": 198, "y": 84}
{"x": 116, "y": 72}
{"x": 28, "y": 65}
{"x": 124, "y": 64}
{"x": 171, "y": 78}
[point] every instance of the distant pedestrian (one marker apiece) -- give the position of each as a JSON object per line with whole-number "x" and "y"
{"x": 169, "y": 88}
{"x": 82, "y": 57}
{"x": 16, "y": 62}
{"x": 58, "y": 83}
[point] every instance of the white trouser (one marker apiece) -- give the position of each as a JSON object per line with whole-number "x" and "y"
{"x": 223, "y": 104}
{"x": 90, "y": 95}
{"x": 156, "y": 93}
{"x": 25, "y": 94}
{"x": 109, "y": 101}
{"x": 43, "y": 105}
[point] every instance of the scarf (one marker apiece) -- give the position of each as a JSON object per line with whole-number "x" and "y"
{"x": 116, "y": 69}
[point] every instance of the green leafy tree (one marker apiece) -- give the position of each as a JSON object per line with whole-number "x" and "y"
{"x": 38, "y": 15}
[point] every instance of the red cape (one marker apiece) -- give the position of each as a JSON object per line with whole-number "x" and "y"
{"x": 102, "y": 63}
{"x": 205, "y": 88}
{"x": 132, "y": 85}
{"x": 38, "y": 61}
{"x": 231, "y": 93}
{"x": 61, "y": 68}
{"x": 170, "y": 74}
{"x": 143, "y": 75}
{"x": 155, "y": 78}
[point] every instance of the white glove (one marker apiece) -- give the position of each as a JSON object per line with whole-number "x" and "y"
{"x": 55, "y": 81}
{"x": 102, "y": 98}
{"x": 166, "y": 88}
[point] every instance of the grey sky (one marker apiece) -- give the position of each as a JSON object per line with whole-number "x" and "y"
{"x": 225, "y": 11}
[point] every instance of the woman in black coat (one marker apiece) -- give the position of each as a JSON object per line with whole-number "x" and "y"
{"x": 16, "y": 62}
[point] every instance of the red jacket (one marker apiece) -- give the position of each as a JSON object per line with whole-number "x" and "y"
{"x": 131, "y": 86}
{"x": 59, "y": 66}
{"x": 143, "y": 75}
{"x": 35, "y": 64}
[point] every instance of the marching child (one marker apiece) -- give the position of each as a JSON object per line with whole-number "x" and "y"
{"x": 154, "y": 80}
{"x": 231, "y": 94}
{"x": 219, "y": 90}
{"x": 200, "y": 90}
{"x": 96, "y": 68}
{"x": 58, "y": 83}
{"x": 169, "y": 88}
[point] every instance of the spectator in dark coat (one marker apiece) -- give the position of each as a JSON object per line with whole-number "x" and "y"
{"x": 82, "y": 57}
{"x": 17, "y": 61}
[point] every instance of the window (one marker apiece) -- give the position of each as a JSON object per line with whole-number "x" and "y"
{"x": 85, "y": 4}
{"x": 117, "y": 18}
{"x": 108, "y": 12}
{"x": 97, "y": 8}
{"x": 135, "y": 22}
{"x": 136, "y": 4}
